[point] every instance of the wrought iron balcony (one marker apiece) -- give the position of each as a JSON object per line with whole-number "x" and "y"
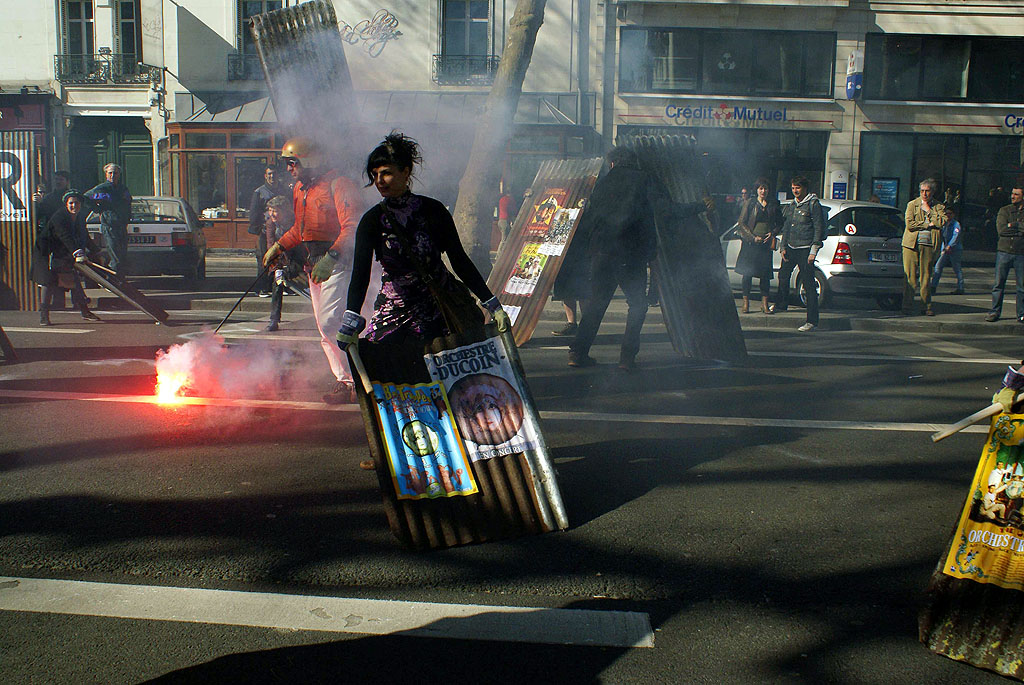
{"x": 464, "y": 70}
{"x": 104, "y": 69}
{"x": 244, "y": 68}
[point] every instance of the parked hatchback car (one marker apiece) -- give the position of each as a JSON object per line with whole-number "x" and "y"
{"x": 164, "y": 237}
{"x": 861, "y": 254}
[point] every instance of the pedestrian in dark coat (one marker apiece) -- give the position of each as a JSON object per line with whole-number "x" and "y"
{"x": 113, "y": 201}
{"x": 258, "y": 222}
{"x": 757, "y": 226}
{"x": 622, "y": 241}
{"x": 47, "y": 205}
{"x": 65, "y": 239}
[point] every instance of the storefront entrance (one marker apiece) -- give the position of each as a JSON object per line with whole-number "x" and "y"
{"x": 975, "y": 174}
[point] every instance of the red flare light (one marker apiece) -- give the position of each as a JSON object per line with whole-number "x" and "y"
{"x": 171, "y": 386}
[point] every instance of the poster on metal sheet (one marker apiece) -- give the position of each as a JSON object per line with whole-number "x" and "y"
{"x": 424, "y": 450}
{"x": 526, "y": 271}
{"x": 485, "y": 396}
{"x": 558, "y": 235}
{"x": 988, "y": 546}
{"x": 15, "y": 177}
{"x": 544, "y": 211}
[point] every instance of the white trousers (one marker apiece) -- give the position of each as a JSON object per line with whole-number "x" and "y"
{"x": 328, "y": 307}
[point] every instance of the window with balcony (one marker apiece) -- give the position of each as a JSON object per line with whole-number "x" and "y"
{"x": 711, "y": 62}
{"x": 80, "y": 62}
{"x": 245, "y": 64}
{"x": 943, "y": 68}
{"x": 466, "y": 43}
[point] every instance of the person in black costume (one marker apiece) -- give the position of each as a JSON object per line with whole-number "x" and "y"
{"x": 406, "y": 309}
{"x": 64, "y": 240}
{"x": 622, "y": 241}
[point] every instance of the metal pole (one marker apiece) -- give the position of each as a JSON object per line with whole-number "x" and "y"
{"x": 247, "y": 291}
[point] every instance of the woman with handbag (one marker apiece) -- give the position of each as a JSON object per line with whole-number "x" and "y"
{"x": 757, "y": 225}
{"x": 419, "y": 298}
{"x": 64, "y": 240}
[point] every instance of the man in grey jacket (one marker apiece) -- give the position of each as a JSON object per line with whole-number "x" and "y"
{"x": 803, "y": 232}
{"x": 1009, "y": 253}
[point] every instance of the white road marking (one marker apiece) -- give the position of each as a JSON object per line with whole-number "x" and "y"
{"x": 889, "y": 357}
{"x": 48, "y": 329}
{"x": 946, "y": 346}
{"x": 740, "y": 421}
{"x": 751, "y": 422}
{"x": 535, "y": 625}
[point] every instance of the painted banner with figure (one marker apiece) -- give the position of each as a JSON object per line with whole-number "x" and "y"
{"x": 423, "y": 445}
{"x": 988, "y": 546}
{"x": 488, "y": 407}
{"x": 468, "y": 426}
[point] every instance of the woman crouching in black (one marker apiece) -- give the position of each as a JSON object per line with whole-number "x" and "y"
{"x": 408, "y": 233}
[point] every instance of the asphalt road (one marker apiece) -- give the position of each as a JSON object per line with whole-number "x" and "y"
{"x": 775, "y": 523}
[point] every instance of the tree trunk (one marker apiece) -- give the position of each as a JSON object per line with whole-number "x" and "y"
{"x": 478, "y": 190}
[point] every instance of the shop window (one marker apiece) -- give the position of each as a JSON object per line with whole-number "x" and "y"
{"x": 675, "y": 62}
{"x": 252, "y": 141}
{"x": 248, "y": 177}
{"x": 206, "y": 183}
{"x": 206, "y": 141}
{"x": 772, "y": 63}
{"x": 996, "y": 70}
{"x": 727, "y": 64}
{"x": 943, "y": 68}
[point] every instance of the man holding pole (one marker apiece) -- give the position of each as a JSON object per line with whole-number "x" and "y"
{"x": 327, "y": 210}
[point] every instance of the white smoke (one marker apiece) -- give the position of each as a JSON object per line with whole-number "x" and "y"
{"x": 253, "y": 370}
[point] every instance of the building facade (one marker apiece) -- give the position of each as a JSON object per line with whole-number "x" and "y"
{"x": 173, "y": 91}
{"x": 937, "y": 90}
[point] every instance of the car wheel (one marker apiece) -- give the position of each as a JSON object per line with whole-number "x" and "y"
{"x": 890, "y": 302}
{"x": 821, "y": 285}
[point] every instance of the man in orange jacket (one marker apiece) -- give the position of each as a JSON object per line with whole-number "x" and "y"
{"x": 327, "y": 209}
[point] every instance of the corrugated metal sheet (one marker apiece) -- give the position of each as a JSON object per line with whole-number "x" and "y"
{"x": 17, "y": 217}
{"x": 303, "y": 59}
{"x": 570, "y": 181}
{"x": 517, "y": 493}
{"x": 979, "y": 623}
{"x": 696, "y": 298}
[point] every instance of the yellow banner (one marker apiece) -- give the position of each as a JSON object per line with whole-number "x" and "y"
{"x": 989, "y": 543}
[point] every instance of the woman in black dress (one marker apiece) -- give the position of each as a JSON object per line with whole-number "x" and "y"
{"x": 757, "y": 226}
{"x": 406, "y": 308}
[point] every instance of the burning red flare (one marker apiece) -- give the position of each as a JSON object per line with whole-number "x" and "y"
{"x": 171, "y": 386}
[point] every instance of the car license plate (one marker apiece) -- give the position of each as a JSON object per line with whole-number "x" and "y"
{"x": 149, "y": 239}
{"x": 889, "y": 257}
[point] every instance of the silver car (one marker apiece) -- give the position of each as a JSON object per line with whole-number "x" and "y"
{"x": 861, "y": 254}
{"x": 164, "y": 237}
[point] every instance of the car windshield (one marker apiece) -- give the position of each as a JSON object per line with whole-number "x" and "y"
{"x": 156, "y": 210}
{"x": 871, "y": 222}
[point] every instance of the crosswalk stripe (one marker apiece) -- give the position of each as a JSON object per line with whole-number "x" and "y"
{"x": 535, "y": 625}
